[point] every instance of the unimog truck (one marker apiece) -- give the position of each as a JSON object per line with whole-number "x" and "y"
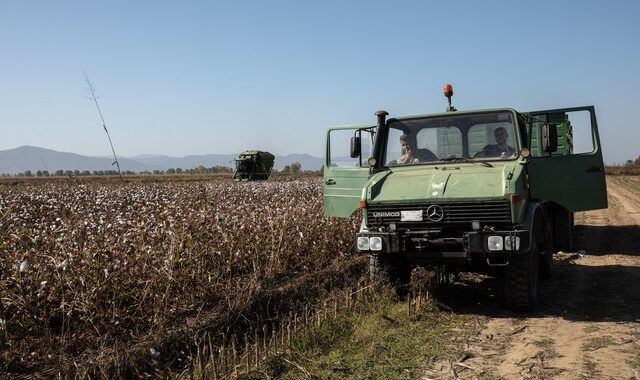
{"x": 252, "y": 165}
{"x": 466, "y": 191}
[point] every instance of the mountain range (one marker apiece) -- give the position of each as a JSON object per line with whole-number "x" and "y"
{"x": 32, "y": 158}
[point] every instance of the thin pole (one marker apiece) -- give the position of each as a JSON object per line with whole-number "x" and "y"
{"x": 92, "y": 90}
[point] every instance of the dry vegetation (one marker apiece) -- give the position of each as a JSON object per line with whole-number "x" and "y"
{"x": 629, "y": 168}
{"x": 94, "y": 275}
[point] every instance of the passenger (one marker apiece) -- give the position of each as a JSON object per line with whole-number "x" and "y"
{"x": 500, "y": 148}
{"x": 406, "y": 149}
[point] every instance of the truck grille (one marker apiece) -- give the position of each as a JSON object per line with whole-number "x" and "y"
{"x": 459, "y": 213}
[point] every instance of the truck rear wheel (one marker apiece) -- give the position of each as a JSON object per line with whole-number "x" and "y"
{"x": 546, "y": 254}
{"x": 521, "y": 280}
{"x": 563, "y": 229}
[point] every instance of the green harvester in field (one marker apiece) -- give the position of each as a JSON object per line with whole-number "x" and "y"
{"x": 252, "y": 165}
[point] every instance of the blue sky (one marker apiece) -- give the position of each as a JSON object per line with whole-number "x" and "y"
{"x": 182, "y": 78}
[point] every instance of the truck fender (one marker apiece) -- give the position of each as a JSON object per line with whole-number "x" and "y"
{"x": 363, "y": 226}
{"x": 533, "y": 222}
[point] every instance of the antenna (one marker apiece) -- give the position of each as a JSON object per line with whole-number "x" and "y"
{"x": 92, "y": 90}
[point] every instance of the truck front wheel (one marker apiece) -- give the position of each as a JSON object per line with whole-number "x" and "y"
{"x": 390, "y": 270}
{"x": 521, "y": 280}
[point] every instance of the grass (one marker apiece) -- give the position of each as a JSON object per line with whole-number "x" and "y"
{"x": 545, "y": 343}
{"x": 595, "y": 343}
{"x": 378, "y": 340}
{"x": 591, "y": 328}
{"x": 548, "y": 346}
{"x": 591, "y": 369}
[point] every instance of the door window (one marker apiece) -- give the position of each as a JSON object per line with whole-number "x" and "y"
{"x": 340, "y": 147}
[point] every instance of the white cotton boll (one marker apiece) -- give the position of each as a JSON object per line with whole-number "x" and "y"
{"x": 155, "y": 353}
{"x": 24, "y": 266}
{"x": 62, "y": 265}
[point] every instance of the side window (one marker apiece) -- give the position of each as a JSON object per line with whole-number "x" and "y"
{"x": 340, "y": 148}
{"x": 577, "y": 129}
{"x": 366, "y": 146}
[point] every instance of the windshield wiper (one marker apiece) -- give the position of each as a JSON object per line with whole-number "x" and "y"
{"x": 464, "y": 159}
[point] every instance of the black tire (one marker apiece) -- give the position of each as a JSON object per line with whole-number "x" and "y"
{"x": 378, "y": 271}
{"x": 562, "y": 229}
{"x": 546, "y": 254}
{"x": 393, "y": 271}
{"x": 521, "y": 280}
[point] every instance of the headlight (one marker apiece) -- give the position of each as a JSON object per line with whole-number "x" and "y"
{"x": 512, "y": 243}
{"x": 375, "y": 243}
{"x": 495, "y": 243}
{"x": 363, "y": 243}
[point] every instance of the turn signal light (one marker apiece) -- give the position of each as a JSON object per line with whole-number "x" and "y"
{"x": 363, "y": 203}
{"x": 515, "y": 198}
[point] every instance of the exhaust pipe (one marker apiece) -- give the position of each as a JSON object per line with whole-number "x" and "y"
{"x": 377, "y": 147}
{"x": 382, "y": 116}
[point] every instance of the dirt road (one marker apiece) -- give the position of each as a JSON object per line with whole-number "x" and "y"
{"x": 587, "y": 325}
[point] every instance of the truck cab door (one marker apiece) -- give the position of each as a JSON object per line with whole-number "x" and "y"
{"x": 345, "y": 176}
{"x": 573, "y": 175}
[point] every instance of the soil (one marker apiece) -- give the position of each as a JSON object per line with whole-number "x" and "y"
{"x": 587, "y": 323}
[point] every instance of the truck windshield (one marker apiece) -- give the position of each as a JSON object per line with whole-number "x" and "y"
{"x": 484, "y": 136}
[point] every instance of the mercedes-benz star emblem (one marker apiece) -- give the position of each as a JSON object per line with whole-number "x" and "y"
{"x": 435, "y": 213}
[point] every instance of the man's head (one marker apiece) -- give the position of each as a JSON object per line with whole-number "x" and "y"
{"x": 404, "y": 141}
{"x": 501, "y": 136}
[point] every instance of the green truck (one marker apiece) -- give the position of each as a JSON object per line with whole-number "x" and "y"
{"x": 253, "y": 165}
{"x": 466, "y": 191}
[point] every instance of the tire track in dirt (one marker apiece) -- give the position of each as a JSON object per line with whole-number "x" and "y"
{"x": 628, "y": 200}
{"x": 588, "y": 322}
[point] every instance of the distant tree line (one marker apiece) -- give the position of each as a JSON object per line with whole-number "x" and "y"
{"x": 85, "y": 173}
{"x": 294, "y": 168}
{"x": 633, "y": 162}
{"x": 630, "y": 167}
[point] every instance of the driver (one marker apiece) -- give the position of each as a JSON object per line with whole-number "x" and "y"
{"x": 500, "y": 148}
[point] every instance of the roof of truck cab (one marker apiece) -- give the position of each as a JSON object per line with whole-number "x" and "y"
{"x": 412, "y": 117}
{"x": 454, "y": 113}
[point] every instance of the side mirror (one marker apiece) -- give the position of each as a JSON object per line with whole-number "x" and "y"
{"x": 355, "y": 147}
{"x": 550, "y": 138}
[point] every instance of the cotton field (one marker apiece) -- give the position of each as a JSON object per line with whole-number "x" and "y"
{"x": 87, "y": 266}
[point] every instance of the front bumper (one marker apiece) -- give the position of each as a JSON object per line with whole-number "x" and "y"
{"x": 462, "y": 249}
